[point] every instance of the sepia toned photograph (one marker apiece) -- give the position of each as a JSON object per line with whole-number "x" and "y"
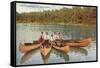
{"x": 55, "y": 33}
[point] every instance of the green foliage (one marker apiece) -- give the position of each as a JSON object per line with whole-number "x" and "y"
{"x": 75, "y": 15}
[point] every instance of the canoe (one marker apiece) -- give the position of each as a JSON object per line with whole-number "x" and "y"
{"x": 45, "y": 51}
{"x": 45, "y": 58}
{"x": 64, "y": 49}
{"x": 23, "y": 48}
{"x": 79, "y": 43}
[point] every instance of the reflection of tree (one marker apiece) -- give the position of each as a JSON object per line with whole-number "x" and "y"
{"x": 81, "y": 50}
{"x": 61, "y": 55}
{"x": 27, "y": 56}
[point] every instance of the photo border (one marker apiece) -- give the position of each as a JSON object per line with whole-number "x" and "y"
{"x": 13, "y": 33}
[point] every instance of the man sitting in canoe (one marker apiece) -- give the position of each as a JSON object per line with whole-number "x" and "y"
{"x": 59, "y": 40}
{"x": 55, "y": 35}
{"x": 40, "y": 39}
{"x": 58, "y": 36}
{"x": 46, "y": 42}
{"x": 52, "y": 40}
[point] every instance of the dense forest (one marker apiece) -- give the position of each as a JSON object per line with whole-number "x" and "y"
{"x": 75, "y": 15}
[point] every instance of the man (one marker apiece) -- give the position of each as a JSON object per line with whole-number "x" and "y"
{"x": 41, "y": 38}
{"x": 59, "y": 40}
{"x": 59, "y": 36}
{"x": 52, "y": 40}
{"x": 46, "y": 40}
{"x": 46, "y": 36}
{"x": 55, "y": 36}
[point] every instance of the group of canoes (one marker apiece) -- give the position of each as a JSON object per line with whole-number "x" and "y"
{"x": 47, "y": 40}
{"x": 46, "y": 43}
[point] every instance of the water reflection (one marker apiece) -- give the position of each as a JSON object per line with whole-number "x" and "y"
{"x": 79, "y": 50}
{"x": 45, "y": 59}
{"x": 60, "y": 54}
{"x": 28, "y": 56}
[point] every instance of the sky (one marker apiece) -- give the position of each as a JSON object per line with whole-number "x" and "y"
{"x": 26, "y": 7}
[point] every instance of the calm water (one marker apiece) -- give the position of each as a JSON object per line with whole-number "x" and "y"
{"x": 26, "y": 33}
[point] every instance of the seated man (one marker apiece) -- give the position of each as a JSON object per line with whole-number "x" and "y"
{"x": 59, "y": 40}
{"x": 40, "y": 39}
{"x": 46, "y": 40}
{"x": 52, "y": 40}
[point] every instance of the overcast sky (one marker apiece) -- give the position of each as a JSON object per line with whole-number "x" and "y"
{"x": 26, "y": 7}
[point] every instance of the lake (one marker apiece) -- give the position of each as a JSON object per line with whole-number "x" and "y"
{"x": 27, "y": 33}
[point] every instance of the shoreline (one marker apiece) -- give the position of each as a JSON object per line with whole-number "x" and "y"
{"x": 69, "y": 24}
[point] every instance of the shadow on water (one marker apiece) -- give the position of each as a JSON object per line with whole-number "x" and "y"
{"x": 79, "y": 50}
{"x": 60, "y": 54}
{"x": 27, "y": 56}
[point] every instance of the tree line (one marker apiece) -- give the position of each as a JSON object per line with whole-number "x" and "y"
{"x": 75, "y": 15}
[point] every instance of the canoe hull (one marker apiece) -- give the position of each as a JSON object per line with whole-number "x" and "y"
{"x": 26, "y": 48}
{"x": 80, "y": 43}
{"x": 45, "y": 51}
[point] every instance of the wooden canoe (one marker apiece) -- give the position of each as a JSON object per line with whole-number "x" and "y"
{"x": 23, "y": 48}
{"x": 64, "y": 49}
{"x": 79, "y": 43}
{"x": 45, "y": 51}
{"x": 45, "y": 58}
